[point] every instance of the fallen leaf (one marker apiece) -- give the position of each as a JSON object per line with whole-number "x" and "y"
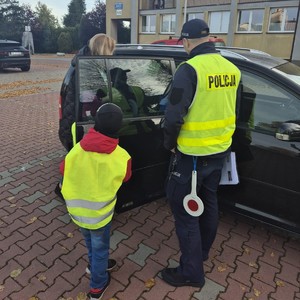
{"x": 1, "y": 288}
{"x": 253, "y": 264}
{"x": 10, "y": 198}
{"x": 279, "y": 283}
{"x": 32, "y": 220}
{"x": 247, "y": 250}
{"x": 242, "y": 288}
{"x": 257, "y": 292}
{"x": 150, "y": 283}
{"x": 15, "y": 273}
{"x": 13, "y": 205}
{"x": 33, "y": 298}
{"x": 42, "y": 277}
{"x": 272, "y": 254}
{"x": 70, "y": 235}
{"x": 81, "y": 296}
{"x": 222, "y": 268}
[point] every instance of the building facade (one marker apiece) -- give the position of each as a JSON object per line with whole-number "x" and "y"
{"x": 270, "y": 26}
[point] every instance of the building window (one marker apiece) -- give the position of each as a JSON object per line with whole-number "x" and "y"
{"x": 192, "y": 16}
{"x": 158, "y": 4}
{"x": 168, "y": 23}
{"x": 219, "y": 21}
{"x": 148, "y": 23}
{"x": 283, "y": 19}
{"x": 250, "y": 20}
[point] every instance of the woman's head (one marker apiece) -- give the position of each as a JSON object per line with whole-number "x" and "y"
{"x": 101, "y": 44}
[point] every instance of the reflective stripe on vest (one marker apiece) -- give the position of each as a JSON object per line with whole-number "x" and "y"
{"x": 92, "y": 220}
{"x": 89, "y": 204}
{"x": 210, "y": 122}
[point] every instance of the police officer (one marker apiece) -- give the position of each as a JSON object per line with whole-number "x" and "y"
{"x": 199, "y": 124}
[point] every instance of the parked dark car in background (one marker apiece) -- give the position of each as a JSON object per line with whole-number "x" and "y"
{"x": 266, "y": 141}
{"x": 14, "y": 55}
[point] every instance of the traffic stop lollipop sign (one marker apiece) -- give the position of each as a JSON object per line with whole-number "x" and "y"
{"x": 192, "y": 204}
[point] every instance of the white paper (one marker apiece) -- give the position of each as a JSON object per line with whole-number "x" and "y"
{"x": 229, "y": 171}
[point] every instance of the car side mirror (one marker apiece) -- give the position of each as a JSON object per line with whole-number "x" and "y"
{"x": 288, "y": 131}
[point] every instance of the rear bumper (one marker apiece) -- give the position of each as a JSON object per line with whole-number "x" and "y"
{"x": 14, "y": 62}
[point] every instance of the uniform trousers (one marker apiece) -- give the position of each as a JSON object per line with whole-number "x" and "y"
{"x": 195, "y": 234}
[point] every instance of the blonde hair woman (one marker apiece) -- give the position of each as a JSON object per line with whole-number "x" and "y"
{"x": 101, "y": 44}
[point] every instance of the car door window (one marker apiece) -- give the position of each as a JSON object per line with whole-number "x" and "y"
{"x": 137, "y": 85}
{"x": 92, "y": 87}
{"x": 265, "y": 105}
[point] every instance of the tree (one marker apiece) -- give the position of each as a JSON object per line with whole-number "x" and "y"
{"x": 45, "y": 29}
{"x": 12, "y": 20}
{"x": 76, "y": 9}
{"x": 93, "y": 22}
{"x": 64, "y": 42}
{"x": 45, "y": 16}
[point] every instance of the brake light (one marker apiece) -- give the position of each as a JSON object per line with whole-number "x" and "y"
{"x": 59, "y": 108}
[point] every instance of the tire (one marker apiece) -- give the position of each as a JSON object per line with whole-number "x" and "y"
{"x": 25, "y": 69}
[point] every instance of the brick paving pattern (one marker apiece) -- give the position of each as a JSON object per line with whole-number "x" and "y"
{"x": 42, "y": 253}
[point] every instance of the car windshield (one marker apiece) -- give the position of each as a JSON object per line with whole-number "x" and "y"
{"x": 290, "y": 71}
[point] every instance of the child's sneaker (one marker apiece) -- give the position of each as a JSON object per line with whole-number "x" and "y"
{"x": 111, "y": 265}
{"x": 96, "y": 294}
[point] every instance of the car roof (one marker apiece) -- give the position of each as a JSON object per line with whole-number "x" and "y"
{"x": 9, "y": 42}
{"x": 177, "y": 51}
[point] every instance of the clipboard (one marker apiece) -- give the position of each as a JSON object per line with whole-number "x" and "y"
{"x": 229, "y": 171}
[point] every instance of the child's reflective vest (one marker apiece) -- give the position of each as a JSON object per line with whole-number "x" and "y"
{"x": 90, "y": 184}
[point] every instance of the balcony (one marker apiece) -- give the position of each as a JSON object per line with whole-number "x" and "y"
{"x": 157, "y": 4}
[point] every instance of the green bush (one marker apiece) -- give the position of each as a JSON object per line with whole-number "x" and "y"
{"x": 65, "y": 43}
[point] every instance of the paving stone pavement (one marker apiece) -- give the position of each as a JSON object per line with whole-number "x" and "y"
{"x": 42, "y": 253}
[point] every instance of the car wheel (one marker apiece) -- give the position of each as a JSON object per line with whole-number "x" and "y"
{"x": 25, "y": 69}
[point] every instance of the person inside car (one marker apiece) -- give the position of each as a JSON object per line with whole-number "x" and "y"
{"x": 131, "y": 100}
{"x": 131, "y": 94}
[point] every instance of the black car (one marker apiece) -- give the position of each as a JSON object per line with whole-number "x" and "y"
{"x": 266, "y": 141}
{"x": 14, "y": 55}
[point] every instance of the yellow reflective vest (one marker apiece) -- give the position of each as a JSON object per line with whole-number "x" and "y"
{"x": 90, "y": 184}
{"x": 210, "y": 122}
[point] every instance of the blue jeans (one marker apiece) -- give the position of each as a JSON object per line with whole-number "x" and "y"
{"x": 195, "y": 234}
{"x": 97, "y": 243}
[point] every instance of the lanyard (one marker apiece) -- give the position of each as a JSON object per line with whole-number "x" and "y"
{"x": 195, "y": 162}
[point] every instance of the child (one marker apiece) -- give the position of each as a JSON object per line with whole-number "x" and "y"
{"x": 93, "y": 172}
